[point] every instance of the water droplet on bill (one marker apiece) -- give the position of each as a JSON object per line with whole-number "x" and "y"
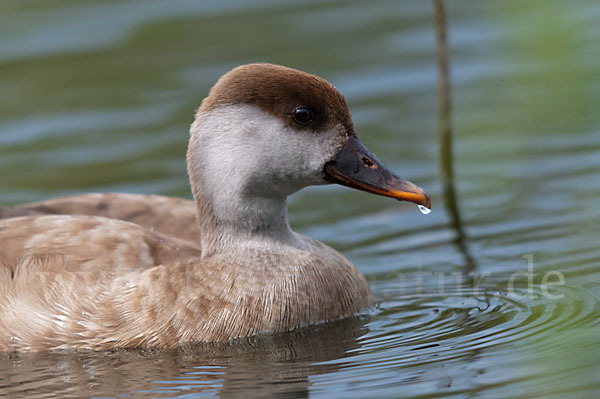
{"x": 424, "y": 210}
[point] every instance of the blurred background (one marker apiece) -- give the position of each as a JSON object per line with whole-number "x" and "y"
{"x": 98, "y": 96}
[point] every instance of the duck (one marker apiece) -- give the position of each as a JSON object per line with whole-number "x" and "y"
{"x": 112, "y": 271}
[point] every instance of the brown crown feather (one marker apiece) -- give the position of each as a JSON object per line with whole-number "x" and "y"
{"x": 279, "y": 90}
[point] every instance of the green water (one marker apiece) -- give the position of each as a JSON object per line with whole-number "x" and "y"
{"x": 99, "y": 95}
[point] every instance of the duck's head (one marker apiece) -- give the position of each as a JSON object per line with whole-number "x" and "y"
{"x": 265, "y": 131}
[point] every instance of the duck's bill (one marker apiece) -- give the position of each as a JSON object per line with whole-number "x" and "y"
{"x": 357, "y": 167}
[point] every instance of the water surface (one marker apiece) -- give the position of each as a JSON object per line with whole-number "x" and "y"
{"x": 99, "y": 95}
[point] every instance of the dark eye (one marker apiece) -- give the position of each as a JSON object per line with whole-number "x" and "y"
{"x": 302, "y": 116}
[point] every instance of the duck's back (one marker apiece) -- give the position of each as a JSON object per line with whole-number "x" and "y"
{"x": 174, "y": 217}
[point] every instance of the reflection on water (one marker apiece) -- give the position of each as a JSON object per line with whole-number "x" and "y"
{"x": 265, "y": 367}
{"x": 445, "y": 133}
{"x": 98, "y": 96}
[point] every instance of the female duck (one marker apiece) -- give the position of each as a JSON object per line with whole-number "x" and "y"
{"x": 101, "y": 276}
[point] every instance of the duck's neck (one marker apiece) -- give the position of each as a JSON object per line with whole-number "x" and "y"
{"x": 236, "y": 207}
{"x": 233, "y": 221}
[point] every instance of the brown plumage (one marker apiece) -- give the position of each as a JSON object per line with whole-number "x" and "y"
{"x": 278, "y": 91}
{"x": 103, "y": 271}
{"x": 152, "y": 290}
{"x": 174, "y": 217}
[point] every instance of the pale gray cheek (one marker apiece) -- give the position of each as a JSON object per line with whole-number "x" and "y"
{"x": 257, "y": 147}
